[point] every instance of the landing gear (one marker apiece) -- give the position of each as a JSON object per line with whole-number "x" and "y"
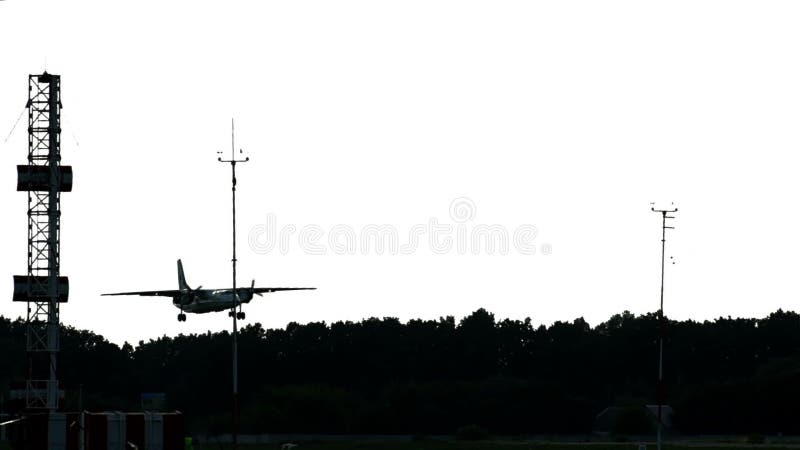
{"x": 181, "y": 317}
{"x": 239, "y": 314}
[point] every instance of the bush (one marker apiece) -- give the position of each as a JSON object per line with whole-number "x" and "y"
{"x": 472, "y": 433}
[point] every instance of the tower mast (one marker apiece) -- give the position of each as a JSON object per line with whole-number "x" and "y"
{"x": 43, "y": 289}
{"x": 665, "y": 214}
{"x": 235, "y": 297}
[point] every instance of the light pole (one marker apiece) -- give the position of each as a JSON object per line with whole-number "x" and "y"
{"x": 664, "y": 227}
{"x": 235, "y": 294}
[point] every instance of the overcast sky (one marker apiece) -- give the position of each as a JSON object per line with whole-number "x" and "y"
{"x": 398, "y": 117}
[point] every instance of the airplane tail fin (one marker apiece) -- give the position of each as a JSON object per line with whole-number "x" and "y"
{"x": 182, "y": 279}
{"x": 253, "y": 288}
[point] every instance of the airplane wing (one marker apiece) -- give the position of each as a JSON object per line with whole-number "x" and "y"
{"x": 150, "y": 293}
{"x": 267, "y": 290}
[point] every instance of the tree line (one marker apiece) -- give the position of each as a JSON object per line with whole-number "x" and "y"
{"x": 730, "y": 375}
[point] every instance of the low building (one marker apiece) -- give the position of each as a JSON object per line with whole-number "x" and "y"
{"x": 631, "y": 420}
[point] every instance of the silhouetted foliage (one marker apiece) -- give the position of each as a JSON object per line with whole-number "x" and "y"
{"x": 472, "y": 433}
{"x": 435, "y": 376}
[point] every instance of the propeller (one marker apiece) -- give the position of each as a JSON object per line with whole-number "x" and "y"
{"x": 252, "y": 289}
{"x": 186, "y": 298}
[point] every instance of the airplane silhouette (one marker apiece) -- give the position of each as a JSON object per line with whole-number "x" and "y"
{"x": 200, "y": 301}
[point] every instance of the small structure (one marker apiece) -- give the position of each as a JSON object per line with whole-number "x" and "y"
{"x": 98, "y": 431}
{"x": 631, "y": 420}
{"x": 666, "y": 414}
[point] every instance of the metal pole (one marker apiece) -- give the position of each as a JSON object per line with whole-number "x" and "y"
{"x": 660, "y": 385}
{"x": 661, "y": 327}
{"x": 82, "y": 420}
{"x": 53, "y": 216}
{"x": 233, "y": 313}
{"x": 235, "y": 296}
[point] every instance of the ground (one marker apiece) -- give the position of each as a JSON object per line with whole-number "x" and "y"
{"x": 501, "y": 445}
{"x": 423, "y": 444}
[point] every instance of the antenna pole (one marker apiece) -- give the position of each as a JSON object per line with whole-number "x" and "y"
{"x": 664, "y": 216}
{"x": 235, "y": 293}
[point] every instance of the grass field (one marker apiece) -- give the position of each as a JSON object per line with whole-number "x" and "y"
{"x": 494, "y": 445}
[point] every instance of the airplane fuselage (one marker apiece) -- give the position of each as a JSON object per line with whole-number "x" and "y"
{"x": 204, "y": 301}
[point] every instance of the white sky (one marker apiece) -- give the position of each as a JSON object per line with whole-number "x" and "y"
{"x": 571, "y": 116}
